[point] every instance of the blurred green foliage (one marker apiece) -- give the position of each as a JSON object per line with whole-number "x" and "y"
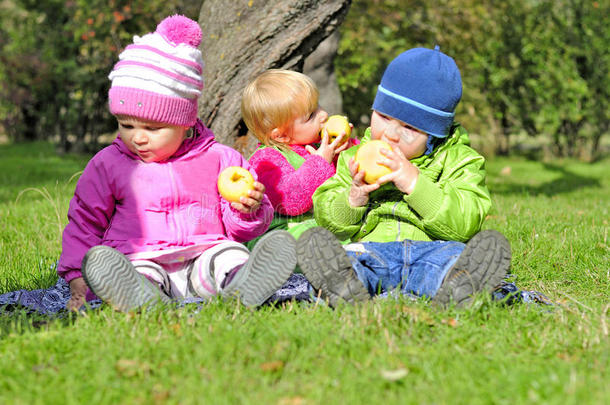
{"x": 55, "y": 58}
{"x": 536, "y": 68}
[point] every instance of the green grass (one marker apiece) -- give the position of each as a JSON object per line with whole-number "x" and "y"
{"x": 392, "y": 351}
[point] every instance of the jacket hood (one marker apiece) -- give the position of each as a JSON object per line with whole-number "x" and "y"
{"x": 202, "y": 139}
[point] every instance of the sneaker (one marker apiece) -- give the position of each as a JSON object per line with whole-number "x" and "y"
{"x": 112, "y": 277}
{"x": 328, "y": 268}
{"x": 482, "y": 265}
{"x": 270, "y": 264}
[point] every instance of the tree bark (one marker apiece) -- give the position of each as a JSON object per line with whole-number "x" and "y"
{"x": 190, "y": 8}
{"x": 319, "y": 65}
{"x": 243, "y": 39}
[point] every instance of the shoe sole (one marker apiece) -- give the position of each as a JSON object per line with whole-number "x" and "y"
{"x": 482, "y": 265}
{"x": 112, "y": 277}
{"x": 270, "y": 264}
{"x": 328, "y": 268}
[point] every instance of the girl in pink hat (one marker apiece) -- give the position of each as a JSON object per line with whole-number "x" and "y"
{"x": 147, "y": 222}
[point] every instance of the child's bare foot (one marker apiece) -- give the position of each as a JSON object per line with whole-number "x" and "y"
{"x": 78, "y": 290}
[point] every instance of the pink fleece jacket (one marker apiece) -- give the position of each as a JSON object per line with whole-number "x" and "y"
{"x": 133, "y": 206}
{"x": 289, "y": 189}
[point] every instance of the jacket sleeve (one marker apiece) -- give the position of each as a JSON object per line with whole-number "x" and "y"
{"x": 243, "y": 227}
{"x": 455, "y": 206}
{"x": 290, "y": 190}
{"x": 331, "y": 208}
{"x": 448, "y": 205}
{"x": 88, "y": 218}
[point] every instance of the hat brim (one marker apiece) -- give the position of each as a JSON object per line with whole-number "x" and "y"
{"x": 426, "y": 121}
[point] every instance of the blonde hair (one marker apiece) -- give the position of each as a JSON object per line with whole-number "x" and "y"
{"x": 274, "y": 99}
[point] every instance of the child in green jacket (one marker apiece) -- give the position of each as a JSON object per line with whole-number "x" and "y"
{"x": 416, "y": 228}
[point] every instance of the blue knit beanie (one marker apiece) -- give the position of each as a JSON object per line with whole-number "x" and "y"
{"x": 421, "y": 87}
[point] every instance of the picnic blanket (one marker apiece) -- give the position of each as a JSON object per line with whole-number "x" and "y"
{"x": 53, "y": 300}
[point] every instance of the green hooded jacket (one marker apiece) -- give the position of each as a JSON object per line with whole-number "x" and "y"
{"x": 450, "y": 200}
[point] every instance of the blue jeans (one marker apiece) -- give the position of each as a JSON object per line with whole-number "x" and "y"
{"x": 416, "y": 267}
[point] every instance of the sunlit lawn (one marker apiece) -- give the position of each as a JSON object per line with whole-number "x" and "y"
{"x": 393, "y": 351}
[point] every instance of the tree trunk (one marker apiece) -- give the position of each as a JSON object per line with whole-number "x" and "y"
{"x": 502, "y": 143}
{"x": 243, "y": 39}
{"x": 319, "y": 65}
{"x": 190, "y": 8}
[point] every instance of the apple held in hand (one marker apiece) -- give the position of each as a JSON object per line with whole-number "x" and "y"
{"x": 235, "y": 182}
{"x": 367, "y": 157}
{"x": 335, "y": 126}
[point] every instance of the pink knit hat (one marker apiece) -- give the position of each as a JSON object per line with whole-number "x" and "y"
{"x": 159, "y": 76}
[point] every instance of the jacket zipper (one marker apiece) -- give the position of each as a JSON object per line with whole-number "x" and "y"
{"x": 175, "y": 202}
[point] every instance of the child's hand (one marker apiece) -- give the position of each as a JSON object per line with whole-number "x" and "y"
{"x": 359, "y": 192}
{"x": 329, "y": 151}
{"x": 248, "y": 205}
{"x": 404, "y": 173}
{"x": 78, "y": 289}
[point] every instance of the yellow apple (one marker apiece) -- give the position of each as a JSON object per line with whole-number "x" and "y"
{"x": 335, "y": 126}
{"x": 367, "y": 157}
{"x": 235, "y": 182}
